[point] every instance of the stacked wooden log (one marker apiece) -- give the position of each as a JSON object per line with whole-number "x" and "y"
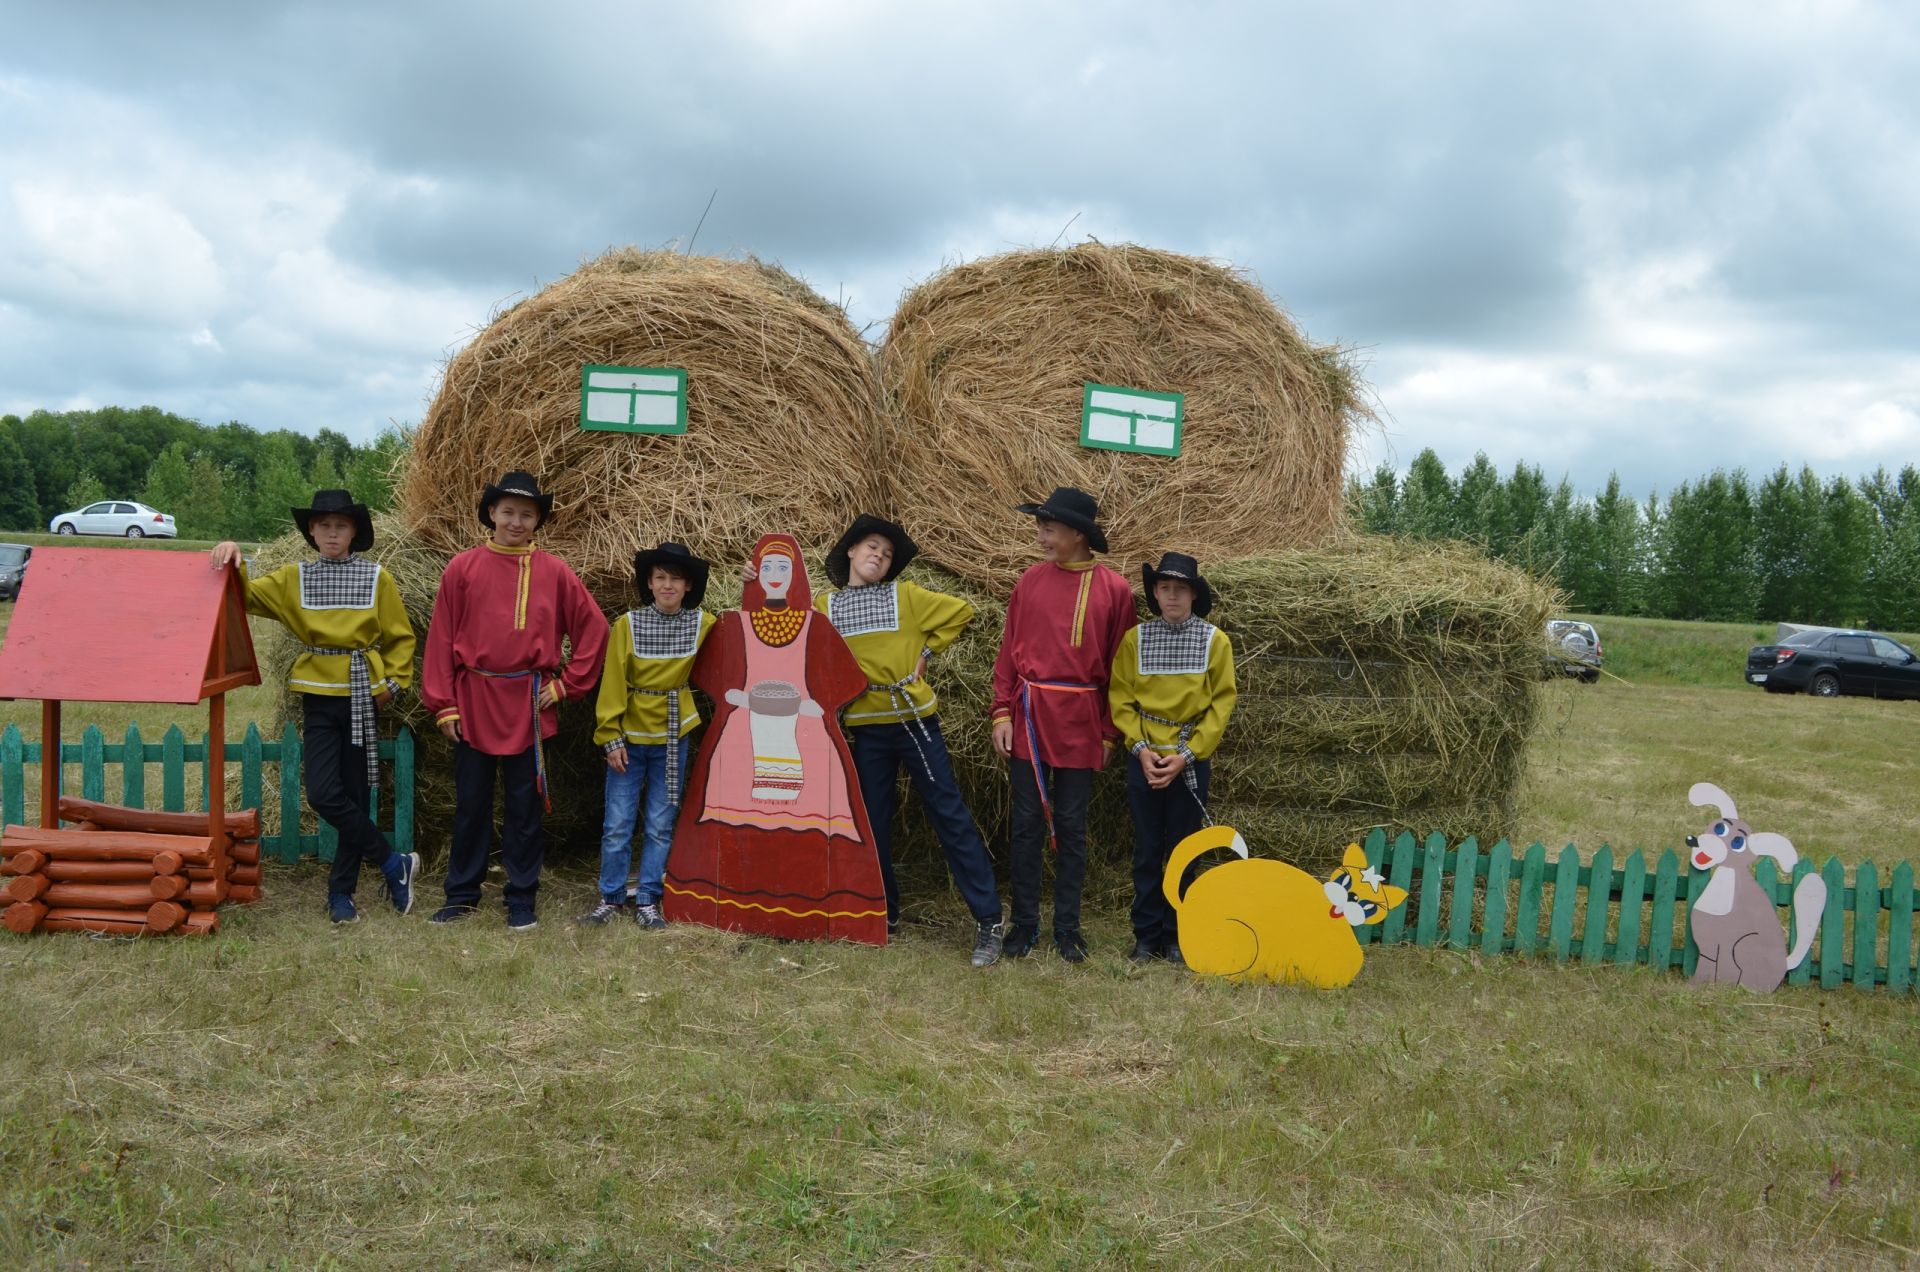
{"x": 127, "y": 871}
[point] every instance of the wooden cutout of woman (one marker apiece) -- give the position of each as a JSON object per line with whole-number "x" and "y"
{"x": 773, "y": 835}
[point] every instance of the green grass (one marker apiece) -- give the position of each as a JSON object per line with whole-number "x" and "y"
{"x": 399, "y": 1095}
{"x": 1668, "y": 651}
{"x": 36, "y": 539}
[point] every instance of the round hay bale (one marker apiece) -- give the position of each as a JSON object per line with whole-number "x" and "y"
{"x": 781, "y": 414}
{"x": 982, "y": 376}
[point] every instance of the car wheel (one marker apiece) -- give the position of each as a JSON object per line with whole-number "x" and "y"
{"x": 135, "y": 532}
{"x": 1825, "y": 685}
{"x": 1589, "y": 677}
{"x": 65, "y": 527}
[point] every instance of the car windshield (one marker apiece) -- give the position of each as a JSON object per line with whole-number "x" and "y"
{"x": 11, "y": 556}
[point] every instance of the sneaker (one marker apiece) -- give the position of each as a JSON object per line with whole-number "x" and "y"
{"x": 340, "y": 908}
{"x": 649, "y": 917}
{"x": 1019, "y": 941}
{"x": 452, "y": 913}
{"x": 893, "y": 927}
{"x": 1173, "y": 955}
{"x": 600, "y": 914}
{"x": 986, "y": 944}
{"x": 520, "y": 918}
{"x": 1141, "y": 954}
{"x": 1071, "y": 945}
{"x": 399, "y": 870}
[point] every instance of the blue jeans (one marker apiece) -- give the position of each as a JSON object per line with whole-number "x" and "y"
{"x": 646, "y": 775}
{"x": 1161, "y": 819}
{"x": 878, "y": 752}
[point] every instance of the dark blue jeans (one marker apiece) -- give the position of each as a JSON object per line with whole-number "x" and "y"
{"x": 1161, "y": 819}
{"x": 523, "y": 845}
{"x": 878, "y": 752}
{"x": 337, "y": 789}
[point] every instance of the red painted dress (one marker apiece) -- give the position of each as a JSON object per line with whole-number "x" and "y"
{"x": 773, "y": 835}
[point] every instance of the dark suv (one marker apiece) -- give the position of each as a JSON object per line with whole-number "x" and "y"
{"x": 13, "y": 568}
{"x": 1833, "y": 661}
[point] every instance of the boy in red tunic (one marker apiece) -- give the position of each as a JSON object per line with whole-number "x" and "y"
{"x": 491, "y": 677}
{"x": 1066, "y": 618}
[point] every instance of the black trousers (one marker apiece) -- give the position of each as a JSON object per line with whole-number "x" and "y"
{"x": 523, "y": 844}
{"x": 337, "y": 789}
{"x": 1071, "y": 789}
{"x": 1161, "y": 819}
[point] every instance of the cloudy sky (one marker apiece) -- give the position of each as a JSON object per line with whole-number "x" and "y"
{"x": 1654, "y": 238}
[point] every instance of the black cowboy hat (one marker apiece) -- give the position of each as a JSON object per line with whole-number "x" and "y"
{"x": 336, "y": 503}
{"x": 526, "y": 485}
{"x": 1074, "y": 508}
{"x": 1181, "y": 568}
{"x": 675, "y": 557}
{"x": 904, "y": 548}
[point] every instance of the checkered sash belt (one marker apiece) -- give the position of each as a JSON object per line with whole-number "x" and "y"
{"x": 1027, "y": 688}
{"x": 1186, "y": 728}
{"x": 673, "y": 737}
{"x": 902, "y": 707}
{"x": 362, "y": 731}
{"x": 539, "y": 746}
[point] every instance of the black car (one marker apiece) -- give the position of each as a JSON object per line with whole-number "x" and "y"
{"x": 1829, "y": 662}
{"x": 13, "y": 568}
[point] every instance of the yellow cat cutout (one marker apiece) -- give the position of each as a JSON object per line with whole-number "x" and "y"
{"x": 1263, "y": 920}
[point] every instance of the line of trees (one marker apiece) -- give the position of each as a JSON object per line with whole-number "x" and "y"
{"x": 228, "y": 481}
{"x": 1791, "y": 547}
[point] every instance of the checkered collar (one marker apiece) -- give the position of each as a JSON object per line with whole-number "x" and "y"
{"x": 657, "y": 635}
{"x": 856, "y": 611}
{"x": 344, "y": 584}
{"x": 1167, "y": 650}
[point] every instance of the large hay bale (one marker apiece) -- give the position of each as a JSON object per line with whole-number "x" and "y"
{"x": 781, "y": 414}
{"x": 982, "y": 374}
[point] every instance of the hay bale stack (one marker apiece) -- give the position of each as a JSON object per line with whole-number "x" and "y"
{"x": 1382, "y": 683}
{"x": 781, "y": 412}
{"x": 982, "y": 376}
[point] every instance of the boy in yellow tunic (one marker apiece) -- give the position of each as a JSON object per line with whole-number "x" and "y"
{"x": 893, "y": 627}
{"x": 1172, "y": 693}
{"x": 644, "y": 714}
{"x": 346, "y": 612}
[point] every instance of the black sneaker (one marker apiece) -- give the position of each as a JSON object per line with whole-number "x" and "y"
{"x": 649, "y": 917}
{"x": 1141, "y": 954}
{"x": 520, "y": 918}
{"x": 340, "y": 908}
{"x": 399, "y": 870}
{"x": 1019, "y": 941}
{"x": 986, "y": 944}
{"x": 600, "y": 914}
{"x": 1173, "y": 955}
{"x": 452, "y": 914}
{"x": 1071, "y": 945}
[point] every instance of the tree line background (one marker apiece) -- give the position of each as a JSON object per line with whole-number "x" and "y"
{"x": 224, "y": 482}
{"x": 1791, "y": 547}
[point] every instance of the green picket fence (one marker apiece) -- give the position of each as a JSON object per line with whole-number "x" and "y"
{"x": 283, "y": 842}
{"x": 1501, "y": 901}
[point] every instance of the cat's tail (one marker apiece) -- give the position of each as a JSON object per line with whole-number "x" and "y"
{"x": 1809, "y": 899}
{"x": 1190, "y": 849}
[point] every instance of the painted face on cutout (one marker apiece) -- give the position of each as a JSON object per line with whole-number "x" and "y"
{"x": 776, "y": 575}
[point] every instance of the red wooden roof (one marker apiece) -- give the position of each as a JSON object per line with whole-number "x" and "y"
{"x": 126, "y": 625}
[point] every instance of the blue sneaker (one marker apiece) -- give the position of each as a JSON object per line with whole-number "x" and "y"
{"x": 341, "y": 910}
{"x": 399, "y": 870}
{"x": 520, "y": 918}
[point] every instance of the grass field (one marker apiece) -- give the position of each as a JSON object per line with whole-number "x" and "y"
{"x": 37, "y": 539}
{"x": 395, "y": 1095}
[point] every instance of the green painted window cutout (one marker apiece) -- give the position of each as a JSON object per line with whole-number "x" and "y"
{"x": 633, "y": 399}
{"x": 1137, "y": 420}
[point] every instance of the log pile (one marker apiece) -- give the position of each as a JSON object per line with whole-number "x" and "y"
{"x": 127, "y": 871}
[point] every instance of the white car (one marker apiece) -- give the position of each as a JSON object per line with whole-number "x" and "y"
{"x": 114, "y": 516}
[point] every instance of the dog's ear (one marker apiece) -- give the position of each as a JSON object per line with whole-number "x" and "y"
{"x": 1764, "y": 843}
{"x": 1708, "y": 793}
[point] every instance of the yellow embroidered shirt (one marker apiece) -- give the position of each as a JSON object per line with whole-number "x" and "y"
{"x": 647, "y": 653}
{"x": 888, "y": 626}
{"x": 320, "y": 612}
{"x": 1183, "y": 674}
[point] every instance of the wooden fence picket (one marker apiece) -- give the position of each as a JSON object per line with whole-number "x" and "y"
{"x": 1493, "y": 924}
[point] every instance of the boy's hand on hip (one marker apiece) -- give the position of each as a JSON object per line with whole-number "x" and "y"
{"x": 451, "y": 728}
{"x": 1003, "y": 738}
{"x": 617, "y": 759}
{"x": 549, "y": 693}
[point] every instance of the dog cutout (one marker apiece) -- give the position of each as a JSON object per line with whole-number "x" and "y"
{"x": 1734, "y": 921}
{"x": 1263, "y": 920}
